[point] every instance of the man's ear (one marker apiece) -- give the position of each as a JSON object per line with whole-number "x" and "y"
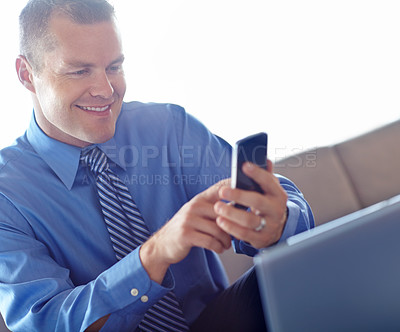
{"x": 25, "y": 73}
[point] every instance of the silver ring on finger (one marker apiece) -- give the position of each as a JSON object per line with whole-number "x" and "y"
{"x": 262, "y": 224}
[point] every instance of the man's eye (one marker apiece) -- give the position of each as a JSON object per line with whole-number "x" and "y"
{"x": 81, "y": 72}
{"x": 115, "y": 68}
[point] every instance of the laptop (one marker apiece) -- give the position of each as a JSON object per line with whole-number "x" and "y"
{"x": 341, "y": 276}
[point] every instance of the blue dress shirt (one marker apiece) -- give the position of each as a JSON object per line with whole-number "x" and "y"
{"x": 58, "y": 271}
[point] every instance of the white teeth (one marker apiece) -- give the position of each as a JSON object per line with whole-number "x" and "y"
{"x": 95, "y": 109}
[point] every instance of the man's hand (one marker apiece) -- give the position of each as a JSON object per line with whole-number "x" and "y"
{"x": 270, "y": 206}
{"x": 194, "y": 225}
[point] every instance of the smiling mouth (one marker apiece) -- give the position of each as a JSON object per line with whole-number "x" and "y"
{"x": 94, "y": 109}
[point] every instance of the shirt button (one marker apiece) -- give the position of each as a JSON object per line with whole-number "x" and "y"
{"x": 144, "y": 298}
{"x": 134, "y": 292}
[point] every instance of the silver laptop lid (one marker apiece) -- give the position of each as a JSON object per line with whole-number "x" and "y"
{"x": 340, "y": 276}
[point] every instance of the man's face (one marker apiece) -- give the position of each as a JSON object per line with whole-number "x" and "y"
{"x": 78, "y": 93}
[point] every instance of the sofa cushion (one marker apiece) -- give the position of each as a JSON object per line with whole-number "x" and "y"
{"x": 235, "y": 264}
{"x": 372, "y": 162}
{"x": 320, "y": 175}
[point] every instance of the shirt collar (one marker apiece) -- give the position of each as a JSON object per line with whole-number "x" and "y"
{"x": 63, "y": 158}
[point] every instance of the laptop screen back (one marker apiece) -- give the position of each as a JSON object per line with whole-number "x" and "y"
{"x": 340, "y": 276}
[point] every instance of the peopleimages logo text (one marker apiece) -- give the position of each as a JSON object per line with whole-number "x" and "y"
{"x": 182, "y": 156}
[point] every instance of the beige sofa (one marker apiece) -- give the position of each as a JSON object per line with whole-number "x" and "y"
{"x": 339, "y": 179}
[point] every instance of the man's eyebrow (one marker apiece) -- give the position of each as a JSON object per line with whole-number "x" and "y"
{"x": 81, "y": 64}
{"x": 120, "y": 59}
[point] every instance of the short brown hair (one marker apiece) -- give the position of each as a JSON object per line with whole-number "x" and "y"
{"x": 34, "y": 19}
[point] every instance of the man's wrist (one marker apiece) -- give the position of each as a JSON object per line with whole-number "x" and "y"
{"x": 156, "y": 268}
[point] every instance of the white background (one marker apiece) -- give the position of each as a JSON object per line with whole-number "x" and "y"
{"x": 310, "y": 73}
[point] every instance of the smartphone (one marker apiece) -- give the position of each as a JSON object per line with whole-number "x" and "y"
{"x": 253, "y": 149}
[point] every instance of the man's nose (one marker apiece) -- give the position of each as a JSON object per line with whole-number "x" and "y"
{"x": 102, "y": 86}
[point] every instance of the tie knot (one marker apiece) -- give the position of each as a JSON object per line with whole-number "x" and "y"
{"x": 95, "y": 159}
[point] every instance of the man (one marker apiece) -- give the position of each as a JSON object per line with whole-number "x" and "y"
{"x": 62, "y": 267}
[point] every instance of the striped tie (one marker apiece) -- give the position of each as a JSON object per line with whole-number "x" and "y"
{"x": 127, "y": 231}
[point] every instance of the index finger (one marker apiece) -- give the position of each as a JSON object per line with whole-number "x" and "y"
{"x": 211, "y": 193}
{"x": 265, "y": 178}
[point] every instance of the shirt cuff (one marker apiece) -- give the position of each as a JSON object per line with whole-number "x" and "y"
{"x": 291, "y": 222}
{"x": 131, "y": 292}
{"x": 128, "y": 283}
